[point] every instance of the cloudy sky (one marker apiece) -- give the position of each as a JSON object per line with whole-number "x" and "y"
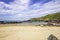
{"x": 19, "y": 10}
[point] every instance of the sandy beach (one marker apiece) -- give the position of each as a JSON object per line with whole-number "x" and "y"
{"x": 18, "y": 32}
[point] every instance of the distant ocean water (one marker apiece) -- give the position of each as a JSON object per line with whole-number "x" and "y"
{"x": 34, "y": 23}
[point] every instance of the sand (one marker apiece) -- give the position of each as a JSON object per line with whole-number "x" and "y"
{"x": 17, "y": 32}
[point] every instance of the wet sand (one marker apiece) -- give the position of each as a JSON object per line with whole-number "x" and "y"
{"x": 17, "y": 32}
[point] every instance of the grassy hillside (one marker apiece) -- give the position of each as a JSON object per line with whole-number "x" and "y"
{"x": 54, "y": 16}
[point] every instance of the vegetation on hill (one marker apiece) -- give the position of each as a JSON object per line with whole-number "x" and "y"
{"x": 54, "y": 16}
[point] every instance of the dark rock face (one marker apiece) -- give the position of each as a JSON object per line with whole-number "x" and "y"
{"x": 52, "y": 37}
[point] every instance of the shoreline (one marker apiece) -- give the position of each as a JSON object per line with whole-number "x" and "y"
{"x": 8, "y": 25}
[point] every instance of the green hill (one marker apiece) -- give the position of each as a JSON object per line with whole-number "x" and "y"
{"x": 54, "y": 16}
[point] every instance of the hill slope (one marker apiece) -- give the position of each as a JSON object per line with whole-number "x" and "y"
{"x": 54, "y": 16}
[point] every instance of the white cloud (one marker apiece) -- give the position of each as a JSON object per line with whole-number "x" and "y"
{"x": 20, "y": 9}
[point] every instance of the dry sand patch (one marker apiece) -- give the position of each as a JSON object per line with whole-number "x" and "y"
{"x": 28, "y": 32}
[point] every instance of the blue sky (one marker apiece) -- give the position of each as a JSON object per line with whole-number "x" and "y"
{"x": 7, "y": 1}
{"x": 39, "y": 1}
{"x": 19, "y": 10}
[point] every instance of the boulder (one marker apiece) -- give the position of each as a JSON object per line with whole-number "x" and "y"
{"x": 52, "y": 37}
